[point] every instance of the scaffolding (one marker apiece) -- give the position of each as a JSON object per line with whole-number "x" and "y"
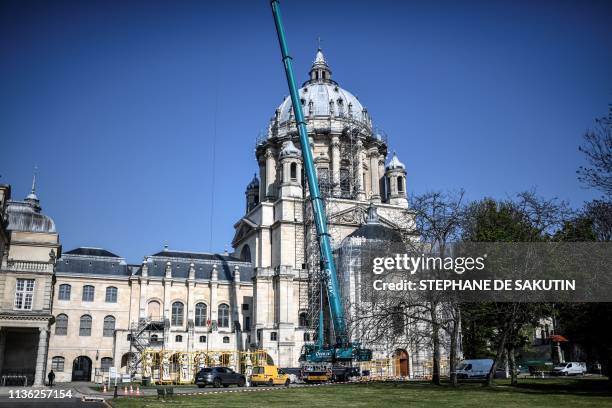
{"x": 181, "y": 367}
{"x": 142, "y": 338}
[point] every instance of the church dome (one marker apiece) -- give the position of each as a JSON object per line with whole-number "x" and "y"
{"x": 23, "y": 216}
{"x": 395, "y": 163}
{"x": 321, "y": 96}
{"x": 254, "y": 184}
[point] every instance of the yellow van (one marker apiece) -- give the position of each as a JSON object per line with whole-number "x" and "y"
{"x": 269, "y": 375}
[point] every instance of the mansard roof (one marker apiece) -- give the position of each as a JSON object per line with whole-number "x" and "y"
{"x": 92, "y": 252}
{"x": 98, "y": 261}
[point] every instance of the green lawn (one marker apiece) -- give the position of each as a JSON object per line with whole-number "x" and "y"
{"x": 558, "y": 393}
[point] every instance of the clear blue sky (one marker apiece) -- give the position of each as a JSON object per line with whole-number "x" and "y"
{"x": 115, "y": 102}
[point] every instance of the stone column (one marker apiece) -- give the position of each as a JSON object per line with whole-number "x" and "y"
{"x": 270, "y": 174}
{"x": 335, "y": 164}
{"x": 359, "y": 187}
{"x": 39, "y": 377}
{"x": 374, "y": 180}
{"x": 262, "y": 180}
{"x": 381, "y": 177}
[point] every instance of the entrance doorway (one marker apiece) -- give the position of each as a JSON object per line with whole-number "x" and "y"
{"x": 81, "y": 369}
{"x": 401, "y": 363}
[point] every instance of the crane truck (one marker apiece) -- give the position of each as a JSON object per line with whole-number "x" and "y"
{"x": 320, "y": 361}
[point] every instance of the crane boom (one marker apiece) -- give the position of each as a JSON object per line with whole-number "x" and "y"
{"x": 327, "y": 260}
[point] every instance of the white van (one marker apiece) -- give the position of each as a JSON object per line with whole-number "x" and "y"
{"x": 570, "y": 368}
{"x": 474, "y": 368}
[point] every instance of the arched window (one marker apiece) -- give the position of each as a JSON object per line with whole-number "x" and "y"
{"x": 178, "y": 338}
{"x": 273, "y": 336}
{"x": 64, "y": 292}
{"x": 57, "y": 364}
{"x": 61, "y": 325}
{"x": 177, "y": 314}
{"x": 88, "y": 293}
{"x": 106, "y": 363}
{"x": 293, "y": 171}
{"x": 303, "y": 319}
{"x": 223, "y": 320}
{"x": 245, "y": 254}
{"x": 154, "y": 338}
{"x": 226, "y": 340}
{"x": 111, "y": 294}
{"x": 154, "y": 308}
{"x": 109, "y": 326}
{"x": 400, "y": 184}
{"x": 85, "y": 326}
{"x": 201, "y": 312}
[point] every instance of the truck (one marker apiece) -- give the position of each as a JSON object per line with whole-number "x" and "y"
{"x": 570, "y": 368}
{"x": 478, "y": 368}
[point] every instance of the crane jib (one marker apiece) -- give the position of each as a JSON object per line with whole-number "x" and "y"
{"x": 331, "y": 278}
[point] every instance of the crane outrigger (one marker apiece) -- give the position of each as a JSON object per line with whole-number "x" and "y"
{"x": 344, "y": 352}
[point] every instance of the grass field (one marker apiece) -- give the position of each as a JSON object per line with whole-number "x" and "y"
{"x": 558, "y": 393}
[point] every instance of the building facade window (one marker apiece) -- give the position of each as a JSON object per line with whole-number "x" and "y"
{"x": 202, "y": 339}
{"x": 201, "y": 312}
{"x": 88, "y": 293}
{"x": 306, "y": 336}
{"x": 226, "y": 339}
{"x": 223, "y": 320}
{"x": 247, "y": 323}
{"x": 57, "y": 364}
{"x": 61, "y": 325}
{"x": 178, "y": 339}
{"x": 109, "y": 326}
{"x": 273, "y": 336}
{"x": 111, "y": 294}
{"x": 85, "y": 326}
{"x": 64, "y": 292}
{"x": 154, "y": 338}
{"x": 245, "y": 306}
{"x": 106, "y": 363}
{"x": 178, "y": 310}
{"x": 154, "y": 310}
{"x": 400, "y": 184}
{"x": 303, "y": 319}
{"x": 293, "y": 171}
{"x": 24, "y": 294}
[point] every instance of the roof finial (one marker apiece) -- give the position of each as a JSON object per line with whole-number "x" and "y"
{"x": 319, "y": 43}
{"x": 34, "y": 180}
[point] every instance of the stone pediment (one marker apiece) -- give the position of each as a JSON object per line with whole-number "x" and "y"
{"x": 244, "y": 227}
{"x": 356, "y": 216}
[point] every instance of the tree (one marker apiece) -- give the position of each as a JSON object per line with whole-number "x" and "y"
{"x": 597, "y": 147}
{"x": 438, "y": 218}
{"x": 528, "y": 218}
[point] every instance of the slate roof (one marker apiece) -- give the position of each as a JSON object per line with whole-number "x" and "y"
{"x": 92, "y": 252}
{"x": 97, "y": 261}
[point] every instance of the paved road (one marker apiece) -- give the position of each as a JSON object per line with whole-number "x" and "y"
{"x": 5, "y": 401}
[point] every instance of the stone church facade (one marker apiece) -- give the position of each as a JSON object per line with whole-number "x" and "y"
{"x": 91, "y": 310}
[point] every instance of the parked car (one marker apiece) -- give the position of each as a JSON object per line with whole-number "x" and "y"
{"x": 219, "y": 376}
{"x": 570, "y": 368}
{"x": 269, "y": 375}
{"x": 478, "y": 368}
